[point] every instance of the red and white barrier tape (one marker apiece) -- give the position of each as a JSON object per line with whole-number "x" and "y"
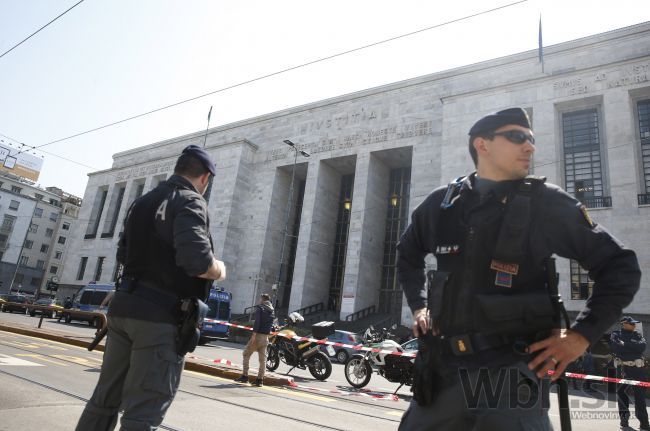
{"x": 357, "y": 347}
{"x": 604, "y": 379}
{"x": 360, "y": 393}
{"x": 216, "y": 361}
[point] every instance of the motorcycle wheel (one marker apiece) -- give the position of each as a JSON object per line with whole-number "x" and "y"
{"x": 358, "y": 372}
{"x": 272, "y": 358}
{"x": 320, "y": 366}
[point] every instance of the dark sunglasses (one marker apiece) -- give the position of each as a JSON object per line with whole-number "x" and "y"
{"x": 515, "y": 136}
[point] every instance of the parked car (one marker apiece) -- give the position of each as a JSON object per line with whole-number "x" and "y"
{"x": 56, "y": 308}
{"x": 15, "y": 303}
{"x": 342, "y": 353}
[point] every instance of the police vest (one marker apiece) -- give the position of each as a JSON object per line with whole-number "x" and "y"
{"x": 495, "y": 285}
{"x": 150, "y": 258}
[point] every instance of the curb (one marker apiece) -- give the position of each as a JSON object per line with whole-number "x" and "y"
{"x": 190, "y": 364}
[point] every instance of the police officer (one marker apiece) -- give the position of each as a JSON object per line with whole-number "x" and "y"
{"x": 490, "y": 312}
{"x": 166, "y": 251}
{"x": 628, "y": 346}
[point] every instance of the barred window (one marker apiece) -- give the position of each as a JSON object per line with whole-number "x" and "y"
{"x": 341, "y": 242}
{"x": 581, "y": 283}
{"x": 643, "y": 110}
{"x": 583, "y": 173}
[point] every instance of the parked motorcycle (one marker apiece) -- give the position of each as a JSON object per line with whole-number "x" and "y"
{"x": 396, "y": 369}
{"x": 303, "y": 355}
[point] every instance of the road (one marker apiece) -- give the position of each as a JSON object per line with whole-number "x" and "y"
{"x": 44, "y": 384}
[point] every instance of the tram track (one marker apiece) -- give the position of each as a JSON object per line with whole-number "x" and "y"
{"x": 197, "y": 376}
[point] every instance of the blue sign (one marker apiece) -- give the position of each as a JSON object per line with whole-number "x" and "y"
{"x": 220, "y": 296}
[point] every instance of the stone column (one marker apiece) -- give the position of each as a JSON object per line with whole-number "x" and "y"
{"x": 366, "y": 235}
{"x": 312, "y": 267}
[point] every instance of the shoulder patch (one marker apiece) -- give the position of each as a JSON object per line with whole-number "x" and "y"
{"x": 585, "y": 214}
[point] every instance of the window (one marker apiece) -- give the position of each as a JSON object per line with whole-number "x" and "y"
{"x": 16, "y": 189}
{"x": 38, "y": 212}
{"x": 340, "y": 242}
{"x": 44, "y": 248}
{"x": 82, "y": 268}
{"x": 8, "y": 222}
{"x": 96, "y": 214}
{"x": 19, "y": 278}
{"x": 33, "y": 228}
{"x": 36, "y": 281}
{"x": 61, "y": 240}
{"x": 643, "y": 110}
{"x": 38, "y": 196}
{"x": 113, "y": 211}
{"x": 14, "y": 205}
{"x": 55, "y": 202}
{"x": 54, "y": 269}
{"x": 65, "y": 226}
{"x": 581, "y": 283}
{"x": 40, "y": 264}
{"x": 58, "y": 254}
{"x": 29, "y": 244}
{"x": 49, "y": 232}
{"x": 24, "y": 260}
{"x": 99, "y": 268}
{"x": 583, "y": 172}
{"x": 54, "y": 216}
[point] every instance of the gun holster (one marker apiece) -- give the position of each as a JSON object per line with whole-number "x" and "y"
{"x": 427, "y": 380}
{"x": 193, "y": 311}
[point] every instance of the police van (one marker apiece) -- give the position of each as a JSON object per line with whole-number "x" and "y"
{"x": 219, "y": 309}
{"x": 90, "y": 298}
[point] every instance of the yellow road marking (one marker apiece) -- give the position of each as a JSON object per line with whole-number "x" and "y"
{"x": 41, "y": 358}
{"x": 76, "y": 359}
{"x": 269, "y": 388}
{"x": 394, "y": 413}
{"x": 22, "y": 345}
{"x": 48, "y": 342}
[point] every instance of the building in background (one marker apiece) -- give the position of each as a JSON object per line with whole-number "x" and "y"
{"x": 375, "y": 155}
{"x": 38, "y": 257}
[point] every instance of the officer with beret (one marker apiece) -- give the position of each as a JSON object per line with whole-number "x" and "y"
{"x": 627, "y": 346}
{"x": 168, "y": 262}
{"x": 492, "y": 314}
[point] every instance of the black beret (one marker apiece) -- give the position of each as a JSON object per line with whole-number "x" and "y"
{"x": 628, "y": 319}
{"x": 199, "y": 153}
{"x": 502, "y": 118}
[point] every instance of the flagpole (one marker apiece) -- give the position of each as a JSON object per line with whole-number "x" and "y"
{"x": 206, "y": 195}
{"x": 540, "y": 52}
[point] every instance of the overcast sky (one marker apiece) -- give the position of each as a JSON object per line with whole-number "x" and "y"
{"x": 108, "y": 60}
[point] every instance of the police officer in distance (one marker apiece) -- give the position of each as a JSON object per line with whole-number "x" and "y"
{"x": 628, "y": 345}
{"x": 490, "y": 315}
{"x": 166, "y": 251}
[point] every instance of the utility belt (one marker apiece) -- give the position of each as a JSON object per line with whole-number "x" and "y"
{"x": 639, "y": 363}
{"x": 189, "y": 311}
{"x": 471, "y": 344}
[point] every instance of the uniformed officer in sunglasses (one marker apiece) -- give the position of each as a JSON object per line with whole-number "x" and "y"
{"x": 489, "y": 325}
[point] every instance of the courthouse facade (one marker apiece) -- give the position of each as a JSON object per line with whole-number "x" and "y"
{"x": 376, "y": 154}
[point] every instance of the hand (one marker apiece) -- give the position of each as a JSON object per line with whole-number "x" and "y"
{"x": 420, "y": 322}
{"x": 557, "y": 352}
{"x": 222, "y": 269}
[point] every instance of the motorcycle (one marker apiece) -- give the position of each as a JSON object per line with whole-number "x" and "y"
{"x": 303, "y": 355}
{"x": 396, "y": 369}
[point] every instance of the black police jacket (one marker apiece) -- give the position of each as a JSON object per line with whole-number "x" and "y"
{"x": 166, "y": 243}
{"x": 463, "y": 239}
{"x": 627, "y": 345}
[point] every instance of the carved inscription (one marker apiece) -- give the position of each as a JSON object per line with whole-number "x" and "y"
{"x": 145, "y": 171}
{"x": 627, "y": 75}
{"x": 359, "y": 138}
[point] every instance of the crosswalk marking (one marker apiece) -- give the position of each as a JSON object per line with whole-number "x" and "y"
{"x": 10, "y": 360}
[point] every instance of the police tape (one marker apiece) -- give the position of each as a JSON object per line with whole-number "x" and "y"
{"x": 604, "y": 379}
{"x": 216, "y": 361}
{"x": 359, "y": 393}
{"x": 359, "y": 347}
{"x": 324, "y": 342}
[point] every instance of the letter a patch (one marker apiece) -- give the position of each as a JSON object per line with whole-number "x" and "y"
{"x": 160, "y": 212}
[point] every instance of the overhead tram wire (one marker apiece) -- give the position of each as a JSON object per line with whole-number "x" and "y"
{"x": 259, "y": 78}
{"x": 33, "y": 34}
{"x": 49, "y": 153}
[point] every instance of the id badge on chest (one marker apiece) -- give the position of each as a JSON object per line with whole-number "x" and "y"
{"x": 505, "y": 272}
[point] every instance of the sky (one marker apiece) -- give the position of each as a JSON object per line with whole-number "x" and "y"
{"x": 105, "y": 61}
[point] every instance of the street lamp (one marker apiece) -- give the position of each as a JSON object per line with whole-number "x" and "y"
{"x": 394, "y": 199}
{"x": 296, "y": 151}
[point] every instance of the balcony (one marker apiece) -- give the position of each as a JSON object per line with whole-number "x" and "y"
{"x": 597, "y": 202}
{"x": 644, "y": 199}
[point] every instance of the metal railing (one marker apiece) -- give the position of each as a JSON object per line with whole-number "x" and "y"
{"x": 598, "y": 202}
{"x": 310, "y": 309}
{"x": 364, "y": 312}
{"x": 644, "y": 199}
